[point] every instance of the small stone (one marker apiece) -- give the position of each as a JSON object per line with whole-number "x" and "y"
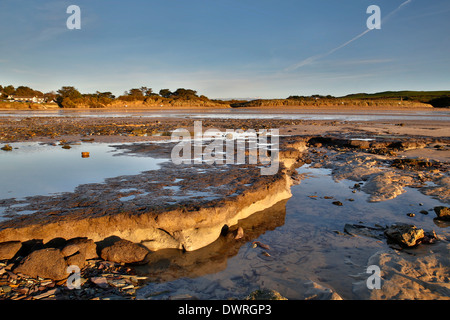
{"x": 129, "y": 287}
{"x": 260, "y": 244}
{"x": 7, "y": 147}
{"x": 6, "y": 289}
{"x": 411, "y": 215}
{"x": 404, "y": 234}
{"x": 46, "y": 294}
{"x": 100, "y": 281}
{"x": 239, "y": 233}
{"x": 337, "y": 203}
{"x": 443, "y": 213}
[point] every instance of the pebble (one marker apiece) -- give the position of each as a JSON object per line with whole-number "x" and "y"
{"x": 100, "y": 280}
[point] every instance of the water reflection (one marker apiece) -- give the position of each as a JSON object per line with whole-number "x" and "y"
{"x": 33, "y": 169}
{"x": 171, "y": 264}
{"x": 307, "y": 243}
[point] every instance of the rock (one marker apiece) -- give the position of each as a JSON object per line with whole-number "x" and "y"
{"x": 360, "y": 144}
{"x": 408, "y": 145}
{"x": 430, "y": 237}
{"x": 265, "y": 294}
{"x": 45, "y": 263}
{"x": 124, "y": 251}
{"x": 318, "y": 292}
{"x": 6, "y": 289}
{"x": 404, "y": 234}
{"x": 260, "y": 244}
{"x": 443, "y": 213}
{"x": 239, "y": 233}
{"x": 100, "y": 281}
{"x": 9, "y": 249}
{"x": 6, "y": 147}
{"x": 366, "y": 231}
{"x": 78, "y": 259}
{"x": 82, "y": 245}
{"x": 385, "y": 186}
{"x": 419, "y": 276}
{"x": 47, "y": 294}
{"x": 337, "y": 203}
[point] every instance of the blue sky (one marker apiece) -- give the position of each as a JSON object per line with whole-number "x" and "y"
{"x": 227, "y": 48}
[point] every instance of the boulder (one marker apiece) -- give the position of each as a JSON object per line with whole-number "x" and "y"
{"x": 124, "y": 251}
{"x": 46, "y": 263}
{"x": 78, "y": 259}
{"x": 9, "y": 249}
{"x": 443, "y": 213}
{"x": 404, "y": 234}
{"x": 85, "y": 246}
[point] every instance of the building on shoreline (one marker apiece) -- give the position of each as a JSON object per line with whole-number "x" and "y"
{"x": 34, "y": 99}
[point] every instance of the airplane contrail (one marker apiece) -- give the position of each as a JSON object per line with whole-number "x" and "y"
{"x": 318, "y": 56}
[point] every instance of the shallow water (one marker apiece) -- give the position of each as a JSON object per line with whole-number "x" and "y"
{"x": 307, "y": 243}
{"x": 42, "y": 169}
{"x": 287, "y": 114}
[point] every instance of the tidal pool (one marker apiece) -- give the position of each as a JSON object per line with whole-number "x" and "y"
{"x": 306, "y": 242}
{"x": 32, "y": 169}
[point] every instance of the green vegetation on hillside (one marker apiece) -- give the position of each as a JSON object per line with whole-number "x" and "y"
{"x": 70, "y": 97}
{"x": 438, "y": 99}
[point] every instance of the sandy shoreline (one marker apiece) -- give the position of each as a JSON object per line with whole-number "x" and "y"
{"x": 312, "y": 108}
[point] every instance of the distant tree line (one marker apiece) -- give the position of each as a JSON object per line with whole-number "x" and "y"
{"x": 70, "y": 97}
{"x": 20, "y": 91}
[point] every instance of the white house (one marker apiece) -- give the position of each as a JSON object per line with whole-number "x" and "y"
{"x": 34, "y": 99}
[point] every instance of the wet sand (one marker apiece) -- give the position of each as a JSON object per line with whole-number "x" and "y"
{"x": 323, "y": 143}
